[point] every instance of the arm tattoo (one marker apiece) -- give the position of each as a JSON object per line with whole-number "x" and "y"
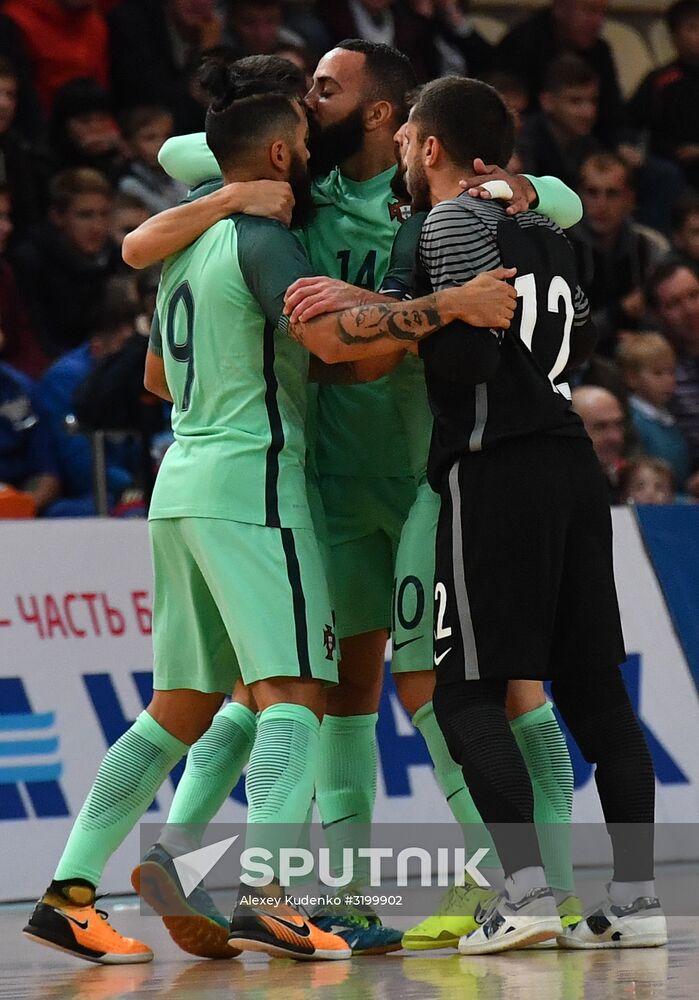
{"x": 392, "y": 321}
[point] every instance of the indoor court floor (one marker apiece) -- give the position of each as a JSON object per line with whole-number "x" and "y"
{"x": 30, "y": 971}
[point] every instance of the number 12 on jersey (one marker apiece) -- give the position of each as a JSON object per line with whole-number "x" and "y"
{"x": 558, "y": 291}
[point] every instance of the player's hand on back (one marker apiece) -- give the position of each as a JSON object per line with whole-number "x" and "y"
{"x": 311, "y": 297}
{"x": 488, "y": 300}
{"x": 523, "y": 192}
{"x": 268, "y": 199}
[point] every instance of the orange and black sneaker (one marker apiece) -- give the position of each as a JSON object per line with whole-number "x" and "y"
{"x": 66, "y": 918}
{"x": 271, "y": 925}
{"x": 193, "y": 922}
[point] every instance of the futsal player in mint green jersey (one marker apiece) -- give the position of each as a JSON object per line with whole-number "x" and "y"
{"x": 537, "y": 731}
{"x": 239, "y": 583}
{"x": 367, "y": 478}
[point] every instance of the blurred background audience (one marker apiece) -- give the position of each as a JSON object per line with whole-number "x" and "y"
{"x": 604, "y": 97}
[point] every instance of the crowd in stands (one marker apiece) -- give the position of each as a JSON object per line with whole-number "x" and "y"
{"x": 89, "y": 91}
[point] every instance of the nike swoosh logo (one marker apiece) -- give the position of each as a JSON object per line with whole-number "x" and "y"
{"x": 303, "y": 930}
{"x": 81, "y": 924}
{"x": 399, "y": 645}
{"x": 438, "y": 659}
{"x": 340, "y": 820}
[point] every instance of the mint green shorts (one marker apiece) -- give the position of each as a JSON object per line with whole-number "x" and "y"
{"x": 365, "y": 517}
{"x": 413, "y": 588}
{"x": 238, "y": 600}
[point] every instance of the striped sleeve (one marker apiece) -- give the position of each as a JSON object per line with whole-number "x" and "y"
{"x": 456, "y": 245}
{"x": 581, "y": 308}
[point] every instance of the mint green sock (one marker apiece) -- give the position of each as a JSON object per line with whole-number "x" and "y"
{"x": 131, "y": 772}
{"x": 281, "y": 777}
{"x": 346, "y": 787}
{"x": 214, "y": 765}
{"x": 451, "y": 781}
{"x": 545, "y": 753}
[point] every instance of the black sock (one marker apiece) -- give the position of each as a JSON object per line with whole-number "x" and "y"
{"x": 600, "y": 716}
{"x": 472, "y": 717}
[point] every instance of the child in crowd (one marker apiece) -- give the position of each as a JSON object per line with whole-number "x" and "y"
{"x": 648, "y": 363}
{"x": 648, "y": 480}
{"x": 145, "y": 130}
{"x": 128, "y": 212}
{"x": 83, "y": 132}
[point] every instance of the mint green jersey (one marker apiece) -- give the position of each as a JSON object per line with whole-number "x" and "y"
{"x": 384, "y": 428}
{"x": 356, "y": 430}
{"x": 238, "y": 384}
{"x": 359, "y": 428}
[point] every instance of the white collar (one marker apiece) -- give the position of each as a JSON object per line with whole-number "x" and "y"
{"x": 653, "y": 412}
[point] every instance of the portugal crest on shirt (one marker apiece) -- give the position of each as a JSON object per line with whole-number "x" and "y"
{"x": 399, "y": 210}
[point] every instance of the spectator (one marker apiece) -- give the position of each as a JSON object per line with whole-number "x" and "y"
{"x": 648, "y": 365}
{"x": 57, "y": 391}
{"x": 83, "y": 131}
{"x": 666, "y": 102}
{"x": 461, "y": 50}
{"x": 155, "y": 47}
{"x": 256, "y": 27}
{"x": 685, "y": 230}
{"x": 603, "y": 417}
{"x": 615, "y": 254}
{"x": 145, "y": 130}
{"x": 62, "y": 266}
{"x": 300, "y": 56}
{"x": 566, "y": 26}
{"x": 128, "y": 212}
{"x": 30, "y": 120}
{"x": 22, "y": 168}
{"x": 647, "y": 480}
{"x": 388, "y": 22}
{"x": 112, "y": 397}
{"x": 558, "y": 138}
{"x": 65, "y": 39}
{"x": 27, "y": 462}
{"x": 673, "y": 292}
{"x": 18, "y": 346}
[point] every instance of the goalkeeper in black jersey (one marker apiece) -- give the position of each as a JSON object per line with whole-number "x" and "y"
{"x": 524, "y": 584}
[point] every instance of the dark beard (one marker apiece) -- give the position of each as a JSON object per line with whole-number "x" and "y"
{"x": 300, "y": 181}
{"x": 420, "y": 199}
{"x": 336, "y": 143}
{"x": 398, "y": 185}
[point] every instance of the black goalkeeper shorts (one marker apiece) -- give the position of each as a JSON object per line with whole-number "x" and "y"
{"x": 524, "y": 583}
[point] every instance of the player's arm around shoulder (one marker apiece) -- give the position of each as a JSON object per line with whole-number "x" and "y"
{"x": 175, "y": 229}
{"x": 154, "y": 379}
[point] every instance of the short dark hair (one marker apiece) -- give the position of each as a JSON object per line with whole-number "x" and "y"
{"x": 679, "y": 13}
{"x": 468, "y": 117}
{"x": 605, "y": 161}
{"x": 249, "y": 97}
{"x": 390, "y": 72}
{"x": 70, "y": 184}
{"x": 214, "y": 74}
{"x": 661, "y": 273}
{"x": 8, "y": 70}
{"x": 568, "y": 70}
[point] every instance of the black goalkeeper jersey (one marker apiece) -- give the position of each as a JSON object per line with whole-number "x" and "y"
{"x": 488, "y": 386}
